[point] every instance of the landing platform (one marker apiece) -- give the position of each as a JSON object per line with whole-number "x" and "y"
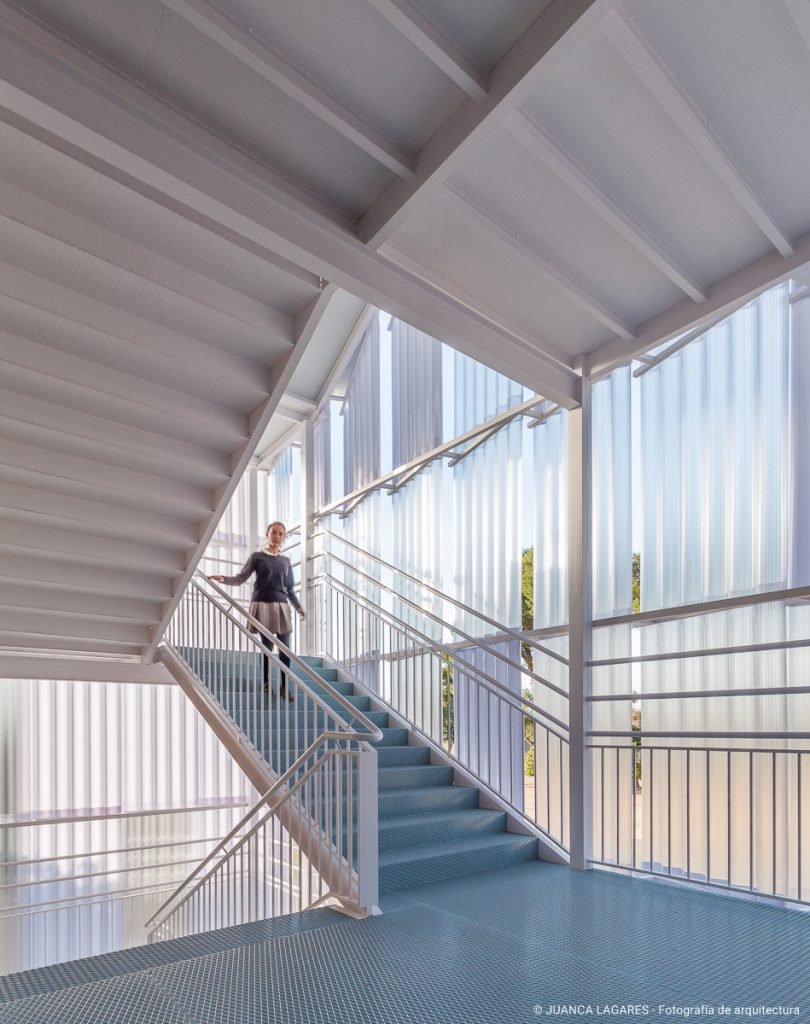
{"x": 494, "y": 947}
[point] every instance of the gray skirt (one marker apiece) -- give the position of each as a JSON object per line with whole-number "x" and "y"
{"x": 274, "y": 616}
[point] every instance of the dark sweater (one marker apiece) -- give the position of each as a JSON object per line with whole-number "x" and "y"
{"x": 274, "y": 578}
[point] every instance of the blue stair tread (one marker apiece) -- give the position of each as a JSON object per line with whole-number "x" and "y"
{"x": 397, "y": 803}
{"x": 400, "y": 755}
{"x": 499, "y": 841}
{"x": 441, "y": 817}
{"x": 416, "y": 775}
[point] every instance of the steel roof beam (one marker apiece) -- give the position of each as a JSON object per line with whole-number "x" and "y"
{"x": 540, "y": 144}
{"x": 246, "y": 47}
{"x": 558, "y": 280}
{"x": 546, "y": 42}
{"x": 650, "y": 70}
{"x": 433, "y": 44}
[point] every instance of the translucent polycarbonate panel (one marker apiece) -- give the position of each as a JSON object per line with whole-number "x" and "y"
{"x": 107, "y": 745}
{"x": 478, "y": 394}
{"x": 714, "y": 458}
{"x": 416, "y": 392}
{"x": 550, "y": 483}
{"x": 279, "y": 491}
{"x": 486, "y": 528}
{"x": 611, "y": 488}
{"x": 361, "y": 413}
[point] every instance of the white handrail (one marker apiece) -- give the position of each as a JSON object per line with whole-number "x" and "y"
{"x": 277, "y": 785}
{"x": 484, "y": 642}
{"x": 436, "y": 647}
{"x": 515, "y": 634}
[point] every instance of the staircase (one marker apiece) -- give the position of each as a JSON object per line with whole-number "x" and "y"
{"x": 429, "y": 828}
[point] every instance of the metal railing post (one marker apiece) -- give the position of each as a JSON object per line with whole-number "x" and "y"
{"x": 580, "y": 619}
{"x": 306, "y": 591}
{"x": 367, "y": 831}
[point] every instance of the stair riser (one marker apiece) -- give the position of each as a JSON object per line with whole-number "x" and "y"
{"x": 456, "y": 826}
{"x": 455, "y": 865}
{"x": 394, "y": 804}
{"x": 253, "y": 701}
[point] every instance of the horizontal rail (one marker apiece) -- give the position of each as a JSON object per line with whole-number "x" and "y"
{"x": 521, "y": 703}
{"x": 687, "y": 611}
{"x": 708, "y": 652}
{"x": 505, "y": 630}
{"x": 750, "y": 691}
{"x": 448, "y": 448}
{"x": 787, "y": 751}
{"x": 473, "y": 641}
{"x": 683, "y": 735}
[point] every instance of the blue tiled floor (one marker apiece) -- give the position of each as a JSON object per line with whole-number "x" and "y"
{"x": 484, "y": 948}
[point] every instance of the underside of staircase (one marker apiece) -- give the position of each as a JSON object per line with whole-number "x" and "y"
{"x": 430, "y": 828}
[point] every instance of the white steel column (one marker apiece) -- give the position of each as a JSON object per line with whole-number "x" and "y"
{"x": 253, "y": 511}
{"x": 799, "y": 432}
{"x": 580, "y": 618}
{"x": 308, "y": 642}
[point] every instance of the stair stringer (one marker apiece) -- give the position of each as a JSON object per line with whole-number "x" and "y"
{"x": 258, "y": 771}
{"x": 488, "y": 798}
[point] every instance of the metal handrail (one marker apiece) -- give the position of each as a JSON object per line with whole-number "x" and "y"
{"x": 373, "y": 732}
{"x": 278, "y": 784}
{"x": 460, "y": 632}
{"x": 493, "y": 685}
{"x": 444, "y": 597}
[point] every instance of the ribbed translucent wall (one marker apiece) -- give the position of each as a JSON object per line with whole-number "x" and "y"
{"x": 73, "y": 745}
{"x": 110, "y": 793}
{"x": 718, "y": 505}
{"x": 714, "y": 460}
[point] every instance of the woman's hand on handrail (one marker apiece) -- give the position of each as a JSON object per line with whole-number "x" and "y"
{"x": 217, "y": 579}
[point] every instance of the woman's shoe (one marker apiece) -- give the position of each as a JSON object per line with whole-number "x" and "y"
{"x": 282, "y": 692}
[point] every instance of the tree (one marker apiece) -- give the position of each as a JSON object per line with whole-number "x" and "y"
{"x": 527, "y": 602}
{"x": 448, "y": 703}
{"x": 637, "y": 581}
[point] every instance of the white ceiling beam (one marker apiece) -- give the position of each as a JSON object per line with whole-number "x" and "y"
{"x": 546, "y": 42}
{"x": 433, "y": 44}
{"x": 81, "y": 627}
{"x": 146, "y": 362}
{"x": 724, "y": 296}
{"x": 266, "y": 459}
{"x": 28, "y": 419}
{"x": 144, "y": 406}
{"x": 72, "y": 322}
{"x": 34, "y": 37}
{"x": 647, "y": 66}
{"x": 75, "y": 269}
{"x": 558, "y": 280}
{"x": 38, "y": 540}
{"x": 296, "y": 407}
{"x": 31, "y": 466}
{"x": 20, "y": 568}
{"x": 306, "y": 322}
{"x": 82, "y": 669}
{"x": 27, "y": 640}
{"x": 540, "y": 144}
{"x": 558, "y": 369}
{"x": 799, "y": 10}
{"x": 242, "y": 44}
{"x": 85, "y": 239}
{"x": 33, "y": 597}
{"x": 108, "y": 520}
{"x": 175, "y": 172}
